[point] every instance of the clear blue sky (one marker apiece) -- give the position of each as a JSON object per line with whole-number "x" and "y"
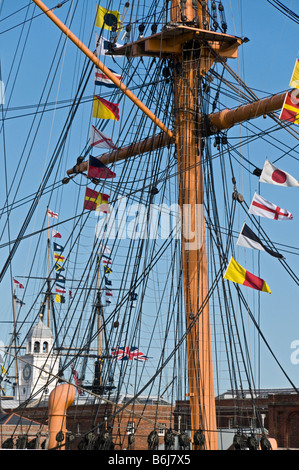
{"x": 265, "y": 64}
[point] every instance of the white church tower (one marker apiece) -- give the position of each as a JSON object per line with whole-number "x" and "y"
{"x": 34, "y": 381}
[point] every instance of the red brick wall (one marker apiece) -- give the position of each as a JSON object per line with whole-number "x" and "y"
{"x": 282, "y": 419}
{"x": 283, "y": 416}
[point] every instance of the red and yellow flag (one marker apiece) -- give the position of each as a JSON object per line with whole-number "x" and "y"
{"x": 96, "y": 201}
{"x": 103, "y": 109}
{"x": 236, "y": 273}
{"x": 59, "y": 258}
{"x": 290, "y": 109}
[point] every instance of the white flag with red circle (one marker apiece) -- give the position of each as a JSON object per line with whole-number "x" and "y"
{"x": 271, "y": 174}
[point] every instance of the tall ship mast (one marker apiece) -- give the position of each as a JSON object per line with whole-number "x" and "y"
{"x": 144, "y": 288}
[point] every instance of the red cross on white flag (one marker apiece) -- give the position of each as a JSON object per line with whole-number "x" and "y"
{"x": 263, "y": 208}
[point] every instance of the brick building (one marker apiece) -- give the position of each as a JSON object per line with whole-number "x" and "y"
{"x": 283, "y": 419}
{"x": 275, "y": 410}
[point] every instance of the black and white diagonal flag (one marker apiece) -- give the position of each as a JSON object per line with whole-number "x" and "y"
{"x": 248, "y": 239}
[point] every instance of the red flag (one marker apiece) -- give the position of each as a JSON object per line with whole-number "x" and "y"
{"x": 236, "y": 273}
{"x": 56, "y": 234}
{"x": 18, "y": 284}
{"x": 97, "y": 169}
{"x": 76, "y": 380}
{"x": 290, "y": 109}
{"x": 96, "y": 201}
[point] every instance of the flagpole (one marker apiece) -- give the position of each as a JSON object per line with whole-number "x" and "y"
{"x": 49, "y": 270}
{"x": 97, "y": 382}
{"x": 99, "y": 309}
{"x": 15, "y": 338}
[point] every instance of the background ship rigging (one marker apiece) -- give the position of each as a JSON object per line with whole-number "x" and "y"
{"x": 46, "y": 120}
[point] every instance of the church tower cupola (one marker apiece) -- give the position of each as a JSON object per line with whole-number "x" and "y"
{"x": 38, "y": 364}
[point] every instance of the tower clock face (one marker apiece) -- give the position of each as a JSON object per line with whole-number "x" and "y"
{"x": 27, "y": 372}
{"x": 44, "y": 375}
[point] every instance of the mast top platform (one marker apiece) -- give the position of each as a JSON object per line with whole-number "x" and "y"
{"x": 173, "y": 37}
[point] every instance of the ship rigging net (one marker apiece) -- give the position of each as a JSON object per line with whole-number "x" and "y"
{"x": 116, "y": 297}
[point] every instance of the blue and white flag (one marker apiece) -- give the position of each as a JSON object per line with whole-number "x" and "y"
{"x": 19, "y": 301}
{"x": 102, "y": 45}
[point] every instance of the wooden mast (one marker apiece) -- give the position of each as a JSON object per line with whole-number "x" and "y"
{"x": 187, "y": 80}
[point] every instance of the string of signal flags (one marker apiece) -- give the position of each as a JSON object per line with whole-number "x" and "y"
{"x": 102, "y": 109}
{"x": 59, "y": 259}
{"x": 261, "y": 207}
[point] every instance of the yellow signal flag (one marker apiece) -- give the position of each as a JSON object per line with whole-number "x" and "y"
{"x": 59, "y": 299}
{"x": 58, "y": 267}
{"x": 294, "y": 83}
{"x": 107, "y": 19}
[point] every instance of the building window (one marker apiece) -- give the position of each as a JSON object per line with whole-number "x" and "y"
{"x": 36, "y": 347}
{"x": 161, "y": 429}
{"x": 45, "y": 347}
{"x": 130, "y": 427}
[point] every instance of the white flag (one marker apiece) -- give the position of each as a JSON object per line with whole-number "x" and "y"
{"x": 273, "y": 175}
{"x": 99, "y": 139}
{"x": 264, "y": 208}
{"x": 102, "y": 45}
{"x": 106, "y": 250}
{"x": 52, "y": 214}
{"x": 249, "y": 239}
